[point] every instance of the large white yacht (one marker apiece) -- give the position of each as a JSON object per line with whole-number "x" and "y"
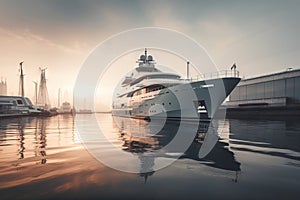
{"x": 148, "y": 92}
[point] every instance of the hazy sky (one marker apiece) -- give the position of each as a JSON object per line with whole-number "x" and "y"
{"x": 260, "y": 36}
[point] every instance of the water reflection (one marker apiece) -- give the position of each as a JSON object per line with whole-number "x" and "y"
{"x": 27, "y": 137}
{"x": 140, "y": 136}
{"x": 41, "y": 140}
{"x": 268, "y": 137}
{"x": 42, "y": 159}
{"x": 29, "y": 134}
{"x": 21, "y": 138}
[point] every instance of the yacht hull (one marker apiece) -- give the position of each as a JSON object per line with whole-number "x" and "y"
{"x": 193, "y": 100}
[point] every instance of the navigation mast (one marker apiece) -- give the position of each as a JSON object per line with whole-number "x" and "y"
{"x": 21, "y": 81}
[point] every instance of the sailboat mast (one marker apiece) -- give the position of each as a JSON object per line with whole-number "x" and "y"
{"x": 58, "y": 98}
{"x": 21, "y": 84}
{"x": 35, "y": 91}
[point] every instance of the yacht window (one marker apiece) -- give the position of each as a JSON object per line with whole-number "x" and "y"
{"x": 154, "y": 88}
{"x": 20, "y": 102}
{"x": 155, "y": 76}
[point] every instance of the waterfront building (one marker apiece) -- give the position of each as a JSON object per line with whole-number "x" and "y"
{"x": 268, "y": 93}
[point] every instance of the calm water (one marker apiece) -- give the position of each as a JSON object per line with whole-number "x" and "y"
{"x": 43, "y": 158}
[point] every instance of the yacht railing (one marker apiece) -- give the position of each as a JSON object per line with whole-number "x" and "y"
{"x": 219, "y": 74}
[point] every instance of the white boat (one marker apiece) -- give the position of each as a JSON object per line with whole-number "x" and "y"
{"x": 18, "y": 106}
{"x": 148, "y": 92}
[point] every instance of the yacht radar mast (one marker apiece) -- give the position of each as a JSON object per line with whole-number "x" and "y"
{"x": 146, "y": 60}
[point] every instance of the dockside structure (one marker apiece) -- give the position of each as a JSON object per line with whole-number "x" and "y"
{"x": 277, "y": 93}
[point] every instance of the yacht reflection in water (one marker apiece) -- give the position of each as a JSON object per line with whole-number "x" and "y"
{"x": 143, "y": 137}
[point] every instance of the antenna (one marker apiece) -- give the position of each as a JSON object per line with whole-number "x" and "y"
{"x": 188, "y": 70}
